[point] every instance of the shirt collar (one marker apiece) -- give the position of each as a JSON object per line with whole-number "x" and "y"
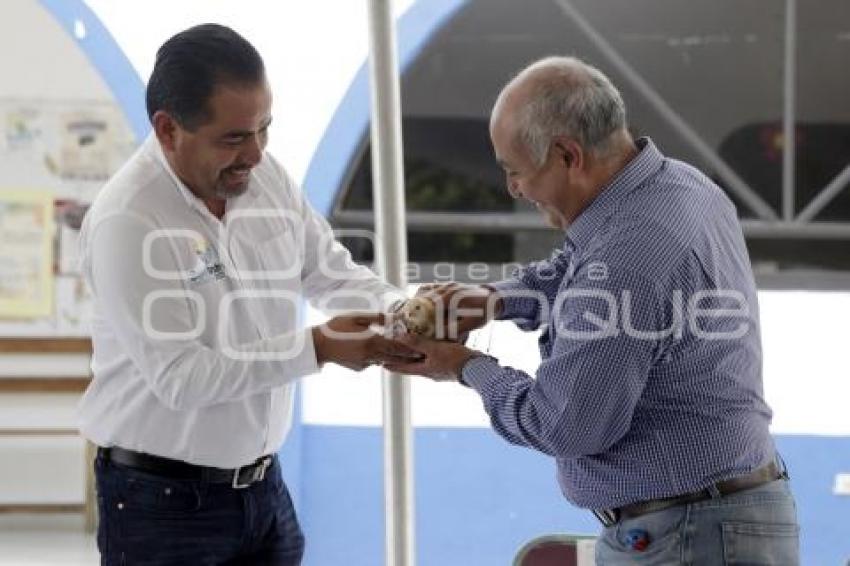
{"x": 192, "y": 200}
{"x": 639, "y": 169}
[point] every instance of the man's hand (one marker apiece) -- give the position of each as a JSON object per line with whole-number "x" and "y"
{"x": 350, "y": 341}
{"x": 443, "y": 360}
{"x": 461, "y": 308}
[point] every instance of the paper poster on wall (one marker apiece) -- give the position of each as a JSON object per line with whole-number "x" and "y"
{"x": 55, "y": 156}
{"x": 21, "y": 129}
{"x": 72, "y": 147}
{"x": 26, "y": 254}
{"x": 87, "y": 148}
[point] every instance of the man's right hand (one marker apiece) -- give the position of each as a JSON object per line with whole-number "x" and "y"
{"x": 463, "y": 307}
{"x": 349, "y": 341}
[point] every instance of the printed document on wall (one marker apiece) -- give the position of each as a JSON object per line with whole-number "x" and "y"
{"x": 26, "y": 253}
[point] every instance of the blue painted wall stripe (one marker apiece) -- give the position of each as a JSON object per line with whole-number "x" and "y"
{"x": 478, "y": 498}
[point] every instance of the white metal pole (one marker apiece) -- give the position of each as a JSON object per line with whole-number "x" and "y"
{"x": 391, "y": 257}
{"x": 788, "y": 112}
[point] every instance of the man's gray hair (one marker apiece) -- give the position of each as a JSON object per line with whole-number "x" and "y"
{"x": 568, "y": 97}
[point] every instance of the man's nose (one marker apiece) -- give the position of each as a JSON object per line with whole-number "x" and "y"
{"x": 252, "y": 151}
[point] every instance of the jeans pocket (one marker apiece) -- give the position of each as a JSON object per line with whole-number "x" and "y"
{"x": 760, "y": 544}
{"x": 662, "y": 532}
{"x": 154, "y": 494}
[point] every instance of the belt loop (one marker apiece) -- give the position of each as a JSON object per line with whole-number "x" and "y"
{"x": 713, "y": 491}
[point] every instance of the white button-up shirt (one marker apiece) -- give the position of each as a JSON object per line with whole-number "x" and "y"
{"x": 196, "y": 321}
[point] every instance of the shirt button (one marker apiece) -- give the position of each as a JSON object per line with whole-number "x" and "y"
{"x": 120, "y": 506}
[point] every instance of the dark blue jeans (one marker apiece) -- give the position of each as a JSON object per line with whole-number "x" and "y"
{"x": 151, "y": 520}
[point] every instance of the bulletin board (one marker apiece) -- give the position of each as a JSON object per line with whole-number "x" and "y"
{"x": 54, "y": 158}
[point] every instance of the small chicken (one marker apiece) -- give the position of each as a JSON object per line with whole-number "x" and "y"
{"x": 418, "y": 315}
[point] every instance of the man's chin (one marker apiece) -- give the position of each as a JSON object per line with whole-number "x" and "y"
{"x": 232, "y": 191}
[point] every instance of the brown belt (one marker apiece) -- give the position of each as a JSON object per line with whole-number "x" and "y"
{"x": 757, "y": 477}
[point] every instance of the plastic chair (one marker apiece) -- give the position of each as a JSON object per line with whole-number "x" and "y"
{"x": 557, "y": 550}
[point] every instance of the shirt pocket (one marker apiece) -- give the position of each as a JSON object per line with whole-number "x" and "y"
{"x": 760, "y": 544}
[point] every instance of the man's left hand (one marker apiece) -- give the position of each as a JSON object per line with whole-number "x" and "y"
{"x": 443, "y": 360}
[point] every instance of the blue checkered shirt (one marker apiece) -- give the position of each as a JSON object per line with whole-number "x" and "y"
{"x": 650, "y": 383}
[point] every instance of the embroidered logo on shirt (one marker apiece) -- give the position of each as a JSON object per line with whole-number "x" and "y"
{"x": 208, "y": 266}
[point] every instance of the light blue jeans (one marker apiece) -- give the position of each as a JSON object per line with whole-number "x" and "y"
{"x": 756, "y": 527}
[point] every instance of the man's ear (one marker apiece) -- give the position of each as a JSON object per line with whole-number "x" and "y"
{"x": 569, "y": 152}
{"x": 165, "y": 127}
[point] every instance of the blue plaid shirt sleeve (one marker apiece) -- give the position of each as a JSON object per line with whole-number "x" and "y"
{"x": 523, "y": 294}
{"x": 605, "y": 341}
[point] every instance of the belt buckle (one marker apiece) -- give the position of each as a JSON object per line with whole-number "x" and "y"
{"x": 258, "y": 475}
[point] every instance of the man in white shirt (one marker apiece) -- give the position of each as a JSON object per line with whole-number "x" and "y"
{"x": 199, "y": 253}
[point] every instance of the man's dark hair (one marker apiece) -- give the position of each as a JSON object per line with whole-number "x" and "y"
{"x": 191, "y": 64}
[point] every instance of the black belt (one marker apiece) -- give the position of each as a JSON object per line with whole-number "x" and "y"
{"x": 757, "y": 477}
{"x": 238, "y": 478}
